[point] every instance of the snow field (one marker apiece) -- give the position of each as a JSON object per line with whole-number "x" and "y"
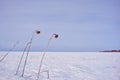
{"x": 63, "y": 66}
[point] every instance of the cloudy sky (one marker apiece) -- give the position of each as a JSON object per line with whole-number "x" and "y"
{"x": 82, "y": 25}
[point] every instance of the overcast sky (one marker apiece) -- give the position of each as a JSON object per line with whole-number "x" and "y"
{"x": 82, "y": 25}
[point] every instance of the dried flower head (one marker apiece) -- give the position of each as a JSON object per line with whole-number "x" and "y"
{"x": 37, "y": 32}
{"x": 56, "y": 35}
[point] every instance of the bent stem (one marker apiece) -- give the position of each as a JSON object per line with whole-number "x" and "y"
{"x": 22, "y": 57}
{"x": 41, "y": 62}
{"x": 9, "y": 51}
{"x": 25, "y": 62}
{"x": 28, "y": 45}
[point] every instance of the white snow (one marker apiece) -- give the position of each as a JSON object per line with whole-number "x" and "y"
{"x": 63, "y": 66}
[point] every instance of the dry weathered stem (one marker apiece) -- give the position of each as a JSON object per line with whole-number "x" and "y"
{"x": 22, "y": 57}
{"x": 8, "y": 52}
{"x": 41, "y": 62}
{"x": 26, "y": 58}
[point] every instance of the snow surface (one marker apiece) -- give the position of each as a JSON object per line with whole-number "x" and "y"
{"x": 63, "y": 66}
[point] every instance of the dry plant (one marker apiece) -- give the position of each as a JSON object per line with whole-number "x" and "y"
{"x": 41, "y": 62}
{"x": 9, "y": 51}
{"x": 28, "y": 45}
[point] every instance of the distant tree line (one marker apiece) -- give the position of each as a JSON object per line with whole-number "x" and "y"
{"x": 111, "y": 51}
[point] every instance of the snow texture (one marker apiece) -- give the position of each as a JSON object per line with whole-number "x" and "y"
{"x": 63, "y": 66}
